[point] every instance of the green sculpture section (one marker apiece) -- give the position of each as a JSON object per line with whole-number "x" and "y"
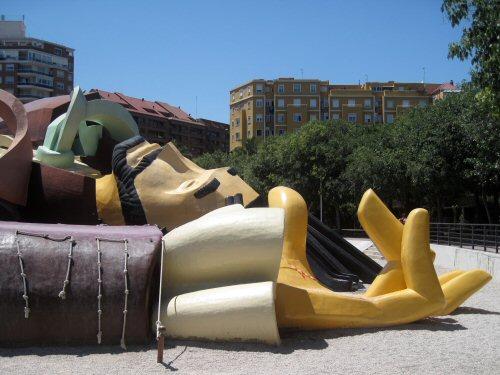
{"x": 69, "y": 134}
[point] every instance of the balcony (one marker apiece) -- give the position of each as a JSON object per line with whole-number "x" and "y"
{"x": 32, "y": 71}
{"x": 35, "y": 84}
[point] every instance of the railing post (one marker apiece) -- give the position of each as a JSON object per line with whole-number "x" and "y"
{"x": 496, "y": 239}
{"x": 472, "y": 229}
{"x": 460, "y": 226}
{"x": 484, "y": 237}
{"x": 437, "y": 232}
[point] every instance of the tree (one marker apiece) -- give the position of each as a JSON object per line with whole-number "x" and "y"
{"x": 480, "y": 41}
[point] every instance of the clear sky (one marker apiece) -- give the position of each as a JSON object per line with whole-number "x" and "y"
{"x": 176, "y": 50}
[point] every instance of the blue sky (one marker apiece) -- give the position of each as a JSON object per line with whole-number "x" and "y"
{"x": 176, "y": 50}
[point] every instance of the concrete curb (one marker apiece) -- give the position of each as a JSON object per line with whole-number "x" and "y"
{"x": 465, "y": 259}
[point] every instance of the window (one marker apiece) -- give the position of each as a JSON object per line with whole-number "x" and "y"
{"x": 232, "y": 97}
{"x": 60, "y": 73}
{"x": 296, "y": 102}
{"x": 281, "y": 89}
{"x": 323, "y": 88}
{"x": 238, "y": 136}
{"x": 58, "y": 51}
{"x": 269, "y": 118}
{"x": 249, "y": 133}
{"x": 60, "y": 85}
{"x": 313, "y": 117}
{"x": 335, "y": 103}
{"x": 281, "y": 118}
{"x": 351, "y": 102}
{"x": 259, "y": 118}
{"x": 282, "y": 132}
{"x": 422, "y": 103}
{"x": 401, "y": 88}
{"x": 259, "y": 103}
{"x": 368, "y": 103}
{"x": 406, "y": 103}
{"x": 368, "y": 118}
{"x": 297, "y": 87}
{"x": 259, "y": 133}
{"x": 259, "y": 88}
{"x": 70, "y": 77}
{"x": 324, "y": 102}
{"x": 9, "y": 67}
{"x": 352, "y": 117}
{"x": 249, "y": 104}
{"x": 390, "y": 118}
{"x": 232, "y": 123}
{"x": 313, "y": 88}
{"x": 249, "y": 90}
{"x": 249, "y": 120}
{"x": 390, "y": 104}
{"x": 281, "y": 103}
{"x": 237, "y": 122}
{"x": 324, "y": 116}
{"x": 297, "y": 117}
{"x": 9, "y": 79}
{"x": 313, "y": 103}
{"x": 335, "y": 116}
{"x": 269, "y": 103}
{"x": 241, "y": 94}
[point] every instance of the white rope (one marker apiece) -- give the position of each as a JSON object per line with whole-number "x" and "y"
{"x": 62, "y": 293}
{"x": 99, "y": 293}
{"x": 158, "y": 321}
{"x": 23, "y": 275}
{"x": 125, "y": 275}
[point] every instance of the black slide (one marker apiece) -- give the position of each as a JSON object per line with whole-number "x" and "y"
{"x": 334, "y": 261}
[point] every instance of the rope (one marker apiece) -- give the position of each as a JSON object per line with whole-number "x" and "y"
{"x": 62, "y": 293}
{"x": 23, "y": 275}
{"x": 159, "y": 326}
{"x": 46, "y": 236}
{"x": 99, "y": 293}
{"x": 125, "y": 275}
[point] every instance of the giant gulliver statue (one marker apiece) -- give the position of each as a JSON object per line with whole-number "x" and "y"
{"x": 220, "y": 273}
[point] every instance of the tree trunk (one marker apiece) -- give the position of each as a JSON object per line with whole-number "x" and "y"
{"x": 485, "y": 203}
{"x": 337, "y": 217}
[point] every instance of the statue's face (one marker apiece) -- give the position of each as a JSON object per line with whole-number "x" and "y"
{"x": 171, "y": 189}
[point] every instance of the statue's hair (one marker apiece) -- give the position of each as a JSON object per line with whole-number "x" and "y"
{"x": 132, "y": 209}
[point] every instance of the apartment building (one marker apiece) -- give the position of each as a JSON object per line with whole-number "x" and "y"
{"x": 262, "y": 108}
{"x": 32, "y": 68}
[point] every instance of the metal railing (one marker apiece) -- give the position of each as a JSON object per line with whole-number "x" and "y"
{"x": 484, "y": 237}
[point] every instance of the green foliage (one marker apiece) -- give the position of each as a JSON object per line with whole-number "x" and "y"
{"x": 435, "y": 157}
{"x": 480, "y": 42}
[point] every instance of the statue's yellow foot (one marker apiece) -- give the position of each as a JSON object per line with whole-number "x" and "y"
{"x": 460, "y": 285}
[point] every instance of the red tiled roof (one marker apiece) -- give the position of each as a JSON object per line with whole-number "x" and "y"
{"x": 442, "y": 87}
{"x": 144, "y": 106}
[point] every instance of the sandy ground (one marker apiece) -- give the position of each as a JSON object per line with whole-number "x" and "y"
{"x": 467, "y": 342}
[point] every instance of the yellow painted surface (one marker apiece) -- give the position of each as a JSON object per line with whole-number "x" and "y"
{"x": 302, "y": 302}
{"x": 108, "y": 203}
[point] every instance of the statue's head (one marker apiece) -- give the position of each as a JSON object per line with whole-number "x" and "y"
{"x": 157, "y": 185}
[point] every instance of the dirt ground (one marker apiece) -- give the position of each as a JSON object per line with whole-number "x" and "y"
{"x": 467, "y": 342}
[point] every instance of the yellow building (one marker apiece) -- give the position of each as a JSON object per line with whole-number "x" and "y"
{"x": 262, "y": 108}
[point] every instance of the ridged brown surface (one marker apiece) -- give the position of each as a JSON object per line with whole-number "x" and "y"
{"x": 73, "y": 320}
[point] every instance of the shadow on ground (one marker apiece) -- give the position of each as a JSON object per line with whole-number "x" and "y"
{"x": 291, "y": 340}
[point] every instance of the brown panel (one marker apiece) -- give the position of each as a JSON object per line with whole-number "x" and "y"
{"x": 15, "y": 164}
{"x": 59, "y": 196}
